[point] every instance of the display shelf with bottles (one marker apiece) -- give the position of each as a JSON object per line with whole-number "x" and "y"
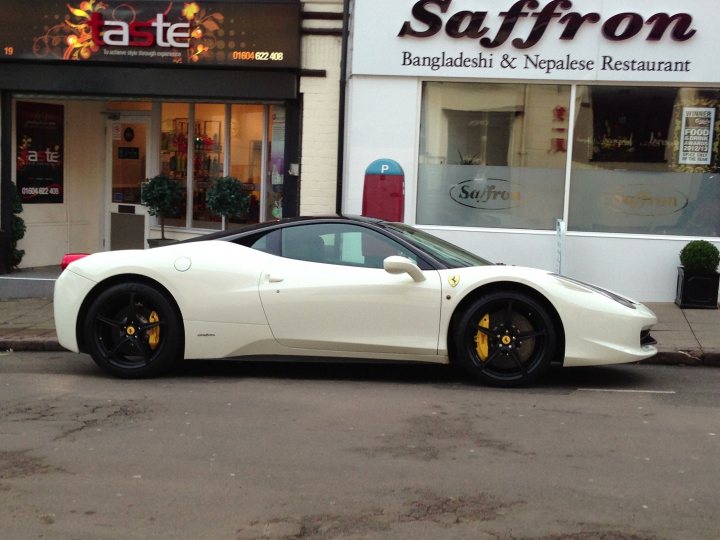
{"x": 174, "y": 150}
{"x": 207, "y": 156}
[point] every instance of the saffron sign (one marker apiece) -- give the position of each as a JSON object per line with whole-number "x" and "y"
{"x": 39, "y": 161}
{"x": 613, "y": 40}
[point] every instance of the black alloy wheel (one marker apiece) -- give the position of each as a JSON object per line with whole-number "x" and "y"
{"x": 133, "y": 331}
{"x": 505, "y": 339}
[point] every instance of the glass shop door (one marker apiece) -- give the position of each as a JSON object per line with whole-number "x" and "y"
{"x": 127, "y": 163}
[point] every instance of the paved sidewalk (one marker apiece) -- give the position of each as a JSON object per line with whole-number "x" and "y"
{"x": 685, "y": 336}
{"x": 27, "y": 324}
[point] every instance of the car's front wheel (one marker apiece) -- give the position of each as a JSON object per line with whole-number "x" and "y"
{"x": 132, "y": 331}
{"x": 505, "y": 338}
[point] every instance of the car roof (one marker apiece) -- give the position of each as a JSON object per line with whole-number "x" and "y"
{"x": 232, "y": 234}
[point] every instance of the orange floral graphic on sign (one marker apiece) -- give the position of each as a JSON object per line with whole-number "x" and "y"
{"x": 72, "y": 39}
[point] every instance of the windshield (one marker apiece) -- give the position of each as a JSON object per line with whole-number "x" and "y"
{"x": 448, "y": 254}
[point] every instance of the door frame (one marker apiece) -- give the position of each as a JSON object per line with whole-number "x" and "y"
{"x": 109, "y": 206}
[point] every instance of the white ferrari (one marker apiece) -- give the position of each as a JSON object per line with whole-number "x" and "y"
{"x": 353, "y": 288}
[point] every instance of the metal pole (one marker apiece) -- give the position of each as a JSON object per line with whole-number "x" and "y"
{"x": 6, "y": 185}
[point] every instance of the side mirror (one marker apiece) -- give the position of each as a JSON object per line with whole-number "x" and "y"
{"x": 400, "y": 265}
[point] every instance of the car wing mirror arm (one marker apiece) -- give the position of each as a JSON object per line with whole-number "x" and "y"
{"x": 401, "y": 265}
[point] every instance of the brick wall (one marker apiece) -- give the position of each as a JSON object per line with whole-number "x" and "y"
{"x": 320, "y": 113}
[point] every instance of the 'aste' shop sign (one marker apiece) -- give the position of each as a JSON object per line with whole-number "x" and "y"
{"x": 560, "y": 39}
{"x": 154, "y": 32}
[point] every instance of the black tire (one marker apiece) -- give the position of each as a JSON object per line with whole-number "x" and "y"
{"x": 505, "y": 339}
{"x": 133, "y": 331}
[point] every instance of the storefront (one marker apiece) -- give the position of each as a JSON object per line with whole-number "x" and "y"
{"x": 99, "y": 96}
{"x": 579, "y": 136}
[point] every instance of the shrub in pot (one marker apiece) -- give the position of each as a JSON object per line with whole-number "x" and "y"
{"x": 698, "y": 279}
{"x": 162, "y": 196}
{"x": 227, "y": 197}
{"x": 18, "y": 230}
{"x": 10, "y": 255}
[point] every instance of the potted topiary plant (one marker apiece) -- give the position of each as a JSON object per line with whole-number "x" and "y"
{"x": 162, "y": 196}
{"x": 698, "y": 279}
{"x": 18, "y": 230}
{"x": 227, "y": 197}
{"x": 10, "y": 255}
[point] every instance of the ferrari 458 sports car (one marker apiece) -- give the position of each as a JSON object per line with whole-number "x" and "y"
{"x": 339, "y": 287}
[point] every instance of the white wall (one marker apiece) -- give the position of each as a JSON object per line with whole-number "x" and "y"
{"x": 74, "y": 225}
{"x": 383, "y": 122}
{"x": 643, "y": 268}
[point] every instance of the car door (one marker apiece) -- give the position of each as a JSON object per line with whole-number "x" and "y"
{"x": 329, "y": 291}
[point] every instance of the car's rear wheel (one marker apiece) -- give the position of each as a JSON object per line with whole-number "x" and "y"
{"x": 133, "y": 331}
{"x": 505, "y": 338}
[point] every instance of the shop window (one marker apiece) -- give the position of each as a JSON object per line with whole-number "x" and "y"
{"x": 492, "y": 155}
{"x": 202, "y": 142}
{"x": 246, "y": 134}
{"x": 645, "y": 160}
{"x": 276, "y": 169}
{"x": 208, "y": 160}
{"x": 174, "y": 152}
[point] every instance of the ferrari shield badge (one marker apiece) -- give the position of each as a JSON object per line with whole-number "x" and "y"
{"x": 454, "y": 280}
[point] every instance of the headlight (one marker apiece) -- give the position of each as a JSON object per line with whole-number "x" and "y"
{"x": 613, "y": 296}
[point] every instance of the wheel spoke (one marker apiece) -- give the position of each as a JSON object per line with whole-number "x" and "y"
{"x": 131, "y": 307}
{"x": 508, "y": 316}
{"x": 485, "y": 331}
{"x": 149, "y": 326}
{"x": 119, "y": 344}
{"x": 110, "y": 322}
{"x": 144, "y": 348}
{"x": 519, "y": 362}
{"x": 532, "y": 334}
{"x": 490, "y": 359}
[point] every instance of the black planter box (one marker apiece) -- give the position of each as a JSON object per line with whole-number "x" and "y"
{"x": 697, "y": 289}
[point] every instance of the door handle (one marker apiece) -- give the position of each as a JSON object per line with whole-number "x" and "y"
{"x": 275, "y": 279}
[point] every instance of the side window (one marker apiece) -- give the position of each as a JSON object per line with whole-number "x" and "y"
{"x": 266, "y": 242}
{"x": 338, "y": 243}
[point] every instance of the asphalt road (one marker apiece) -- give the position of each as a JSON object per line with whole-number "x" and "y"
{"x": 238, "y": 451}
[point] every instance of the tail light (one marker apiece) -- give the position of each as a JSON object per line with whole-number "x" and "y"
{"x": 70, "y": 257}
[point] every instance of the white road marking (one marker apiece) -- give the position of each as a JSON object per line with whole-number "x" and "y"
{"x": 628, "y": 391}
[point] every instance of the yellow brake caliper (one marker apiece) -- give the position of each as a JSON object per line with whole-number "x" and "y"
{"x": 481, "y": 340}
{"x": 154, "y": 333}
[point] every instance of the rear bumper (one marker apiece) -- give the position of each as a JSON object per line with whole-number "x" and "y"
{"x": 70, "y": 292}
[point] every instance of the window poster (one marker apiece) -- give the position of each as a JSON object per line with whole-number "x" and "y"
{"x": 39, "y": 160}
{"x": 696, "y": 135}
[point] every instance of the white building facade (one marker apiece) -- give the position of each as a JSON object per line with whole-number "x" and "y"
{"x": 575, "y": 136}
{"x": 98, "y": 96}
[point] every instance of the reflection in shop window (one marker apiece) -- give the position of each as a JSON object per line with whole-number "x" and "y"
{"x": 276, "y": 172}
{"x": 203, "y": 142}
{"x": 645, "y": 160}
{"x": 207, "y": 161}
{"x": 174, "y": 152}
{"x": 492, "y": 155}
{"x": 246, "y": 128}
